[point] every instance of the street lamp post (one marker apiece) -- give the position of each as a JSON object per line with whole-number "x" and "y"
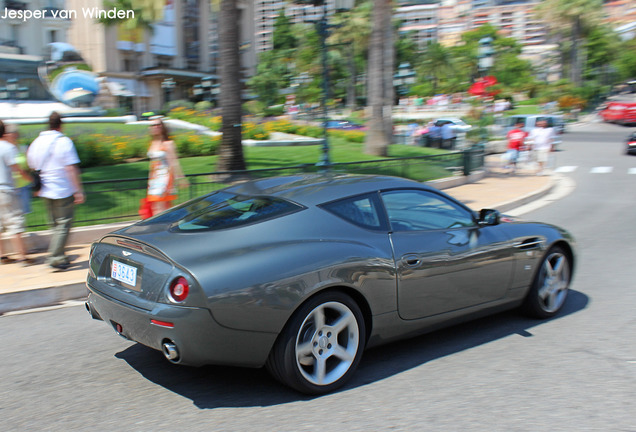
{"x": 485, "y": 55}
{"x": 403, "y": 79}
{"x": 207, "y": 90}
{"x": 323, "y": 32}
{"x": 167, "y": 85}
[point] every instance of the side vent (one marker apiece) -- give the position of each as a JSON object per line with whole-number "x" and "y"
{"x": 529, "y": 243}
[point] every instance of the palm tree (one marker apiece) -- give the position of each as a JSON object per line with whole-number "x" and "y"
{"x": 352, "y": 31}
{"x": 379, "y": 88}
{"x": 573, "y": 17}
{"x": 231, "y": 151}
{"x": 437, "y": 63}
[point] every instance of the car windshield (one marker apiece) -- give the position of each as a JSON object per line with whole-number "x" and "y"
{"x": 223, "y": 210}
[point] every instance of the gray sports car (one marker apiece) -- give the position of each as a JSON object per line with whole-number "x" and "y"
{"x": 302, "y": 273}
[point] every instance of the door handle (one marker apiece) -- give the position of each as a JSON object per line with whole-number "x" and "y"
{"x": 411, "y": 260}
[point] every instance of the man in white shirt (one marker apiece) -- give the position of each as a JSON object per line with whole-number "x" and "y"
{"x": 542, "y": 137}
{"x": 55, "y": 156}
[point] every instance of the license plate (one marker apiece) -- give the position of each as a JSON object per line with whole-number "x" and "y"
{"x": 123, "y": 273}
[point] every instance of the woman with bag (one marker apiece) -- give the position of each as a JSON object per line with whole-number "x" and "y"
{"x": 165, "y": 171}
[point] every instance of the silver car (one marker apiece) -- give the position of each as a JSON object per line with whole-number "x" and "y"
{"x": 300, "y": 274}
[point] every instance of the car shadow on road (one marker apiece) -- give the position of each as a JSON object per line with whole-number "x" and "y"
{"x": 224, "y": 387}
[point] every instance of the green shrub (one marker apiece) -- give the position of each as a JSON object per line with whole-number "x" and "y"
{"x": 274, "y": 111}
{"x": 192, "y": 144}
{"x": 254, "y": 131}
{"x": 254, "y": 107}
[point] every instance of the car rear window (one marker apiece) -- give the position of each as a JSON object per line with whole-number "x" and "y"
{"x": 222, "y": 210}
{"x": 359, "y": 210}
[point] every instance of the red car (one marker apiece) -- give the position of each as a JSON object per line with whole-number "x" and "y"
{"x": 620, "y": 112}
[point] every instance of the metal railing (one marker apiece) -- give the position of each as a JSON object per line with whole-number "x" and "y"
{"x": 109, "y": 201}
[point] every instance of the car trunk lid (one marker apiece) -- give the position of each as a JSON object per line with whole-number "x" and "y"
{"x": 129, "y": 271}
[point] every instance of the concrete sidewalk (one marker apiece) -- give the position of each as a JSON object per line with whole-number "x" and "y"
{"x": 38, "y": 285}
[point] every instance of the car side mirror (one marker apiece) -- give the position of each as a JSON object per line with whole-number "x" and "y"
{"x": 489, "y": 217}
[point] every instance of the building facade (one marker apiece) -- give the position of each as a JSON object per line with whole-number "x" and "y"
{"x": 23, "y": 38}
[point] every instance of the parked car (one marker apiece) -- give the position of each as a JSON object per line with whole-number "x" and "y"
{"x": 458, "y": 125}
{"x": 343, "y": 124}
{"x": 429, "y": 140}
{"x": 619, "y": 112}
{"x": 302, "y": 273}
{"x": 630, "y": 144}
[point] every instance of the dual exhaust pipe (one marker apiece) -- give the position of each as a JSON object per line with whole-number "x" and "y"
{"x": 168, "y": 348}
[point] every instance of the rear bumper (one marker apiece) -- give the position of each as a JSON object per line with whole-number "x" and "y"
{"x": 199, "y": 338}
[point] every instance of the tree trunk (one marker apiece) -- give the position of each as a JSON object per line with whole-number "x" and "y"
{"x": 388, "y": 68}
{"x": 351, "y": 84}
{"x": 376, "y": 142}
{"x": 575, "y": 72}
{"x": 231, "y": 149}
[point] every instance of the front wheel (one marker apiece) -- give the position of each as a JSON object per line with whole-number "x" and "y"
{"x": 321, "y": 346}
{"x": 550, "y": 286}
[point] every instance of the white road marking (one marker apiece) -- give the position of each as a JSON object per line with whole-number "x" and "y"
{"x": 601, "y": 170}
{"x": 631, "y": 171}
{"x": 565, "y": 169}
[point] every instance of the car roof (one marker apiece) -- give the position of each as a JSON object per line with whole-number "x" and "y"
{"x": 314, "y": 189}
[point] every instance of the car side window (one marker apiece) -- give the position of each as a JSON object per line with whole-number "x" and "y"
{"x": 359, "y": 210}
{"x": 415, "y": 210}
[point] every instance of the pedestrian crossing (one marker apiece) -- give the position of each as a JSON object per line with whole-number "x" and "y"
{"x": 592, "y": 170}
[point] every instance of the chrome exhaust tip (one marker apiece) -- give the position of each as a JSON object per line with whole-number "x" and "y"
{"x": 92, "y": 312}
{"x": 170, "y": 351}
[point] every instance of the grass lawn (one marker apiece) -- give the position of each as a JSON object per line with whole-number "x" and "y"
{"x": 262, "y": 158}
{"x": 525, "y": 109}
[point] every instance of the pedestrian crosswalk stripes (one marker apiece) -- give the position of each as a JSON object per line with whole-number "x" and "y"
{"x": 593, "y": 170}
{"x": 601, "y": 170}
{"x": 565, "y": 169}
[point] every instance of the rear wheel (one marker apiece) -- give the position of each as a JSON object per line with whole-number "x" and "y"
{"x": 321, "y": 346}
{"x": 550, "y": 286}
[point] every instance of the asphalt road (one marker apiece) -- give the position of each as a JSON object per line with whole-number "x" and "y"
{"x": 576, "y": 372}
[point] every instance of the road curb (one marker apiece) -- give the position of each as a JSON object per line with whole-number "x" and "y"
{"x": 42, "y": 297}
{"x": 507, "y": 206}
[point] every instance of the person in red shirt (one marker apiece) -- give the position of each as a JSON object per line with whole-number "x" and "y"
{"x": 516, "y": 139}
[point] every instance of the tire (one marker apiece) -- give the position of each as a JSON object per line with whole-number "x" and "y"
{"x": 321, "y": 345}
{"x": 550, "y": 286}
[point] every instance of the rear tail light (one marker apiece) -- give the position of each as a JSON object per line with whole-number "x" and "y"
{"x": 179, "y": 289}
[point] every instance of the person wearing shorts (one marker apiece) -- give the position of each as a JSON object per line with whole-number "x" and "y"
{"x": 11, "y": 217}
{"x": 542, "y": 137}
{"x": 516, "y": 138}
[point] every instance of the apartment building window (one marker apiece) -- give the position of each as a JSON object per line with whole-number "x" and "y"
{"x": 130, "y": 65}
{"x": 52, "y": 36}
{"x": 163, "y": 61}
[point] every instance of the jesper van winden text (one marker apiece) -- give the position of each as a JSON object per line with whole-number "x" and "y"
{"x": 93, "y": 13}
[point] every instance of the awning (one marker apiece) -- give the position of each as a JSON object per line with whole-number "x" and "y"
{"x": 126, "y": 87}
